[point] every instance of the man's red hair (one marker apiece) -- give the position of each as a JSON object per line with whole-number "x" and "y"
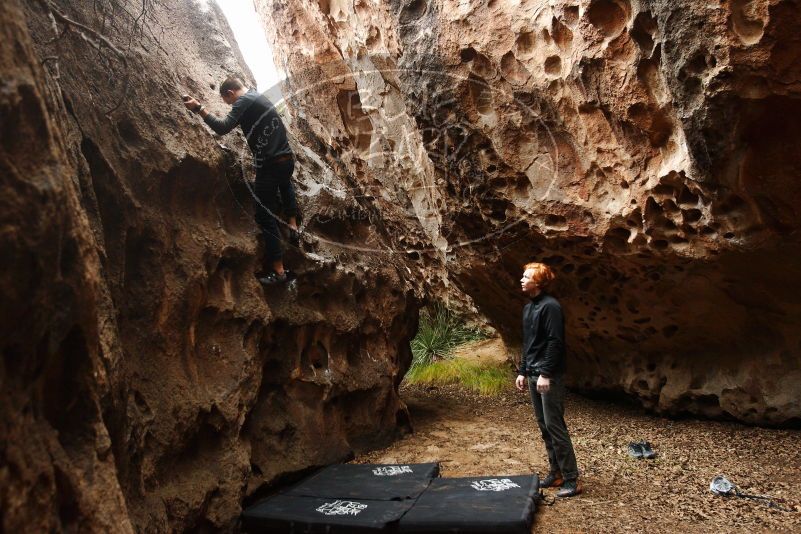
{"x": 543, "y": 275}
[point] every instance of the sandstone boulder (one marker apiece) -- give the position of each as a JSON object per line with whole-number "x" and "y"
{"x": 647, "y": 150}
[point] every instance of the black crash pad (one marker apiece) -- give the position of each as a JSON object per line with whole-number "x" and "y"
{"x": 474, "y": 504}
{"x": 310, "y": 515}
{"x": 380, "y": 482}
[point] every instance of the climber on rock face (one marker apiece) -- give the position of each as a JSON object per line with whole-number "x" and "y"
{"x": 543, "y": 365}
{"x": 274, "y": 162}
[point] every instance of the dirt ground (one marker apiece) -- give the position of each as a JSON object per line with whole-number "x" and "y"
{"x": 474, "y": 436}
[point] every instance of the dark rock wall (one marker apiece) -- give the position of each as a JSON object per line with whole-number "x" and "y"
{"x": 148, "y": 382}
{"x": 55, "y": 452}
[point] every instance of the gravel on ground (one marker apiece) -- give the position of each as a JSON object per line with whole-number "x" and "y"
{"x": 473, "y": 435}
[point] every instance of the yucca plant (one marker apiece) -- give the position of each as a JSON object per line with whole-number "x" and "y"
{"x": 438, "y": 333}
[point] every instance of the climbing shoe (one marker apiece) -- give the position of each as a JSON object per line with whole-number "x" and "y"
{"x": 647, "y": 451}
{"x": 553, "y": 480}
{"x": 275, "y": 278}
{"x": 569, "y": 488}
{"x": 636, "y": 450}
{"x": 641, "y": 449}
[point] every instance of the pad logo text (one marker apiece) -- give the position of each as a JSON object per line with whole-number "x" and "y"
{"x": 494, "y": 484}
{"x": 341, "y": 508}
{"x": 391, "y": 470}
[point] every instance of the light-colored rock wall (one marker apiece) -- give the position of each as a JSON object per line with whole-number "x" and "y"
{"x": 647, "y": 150}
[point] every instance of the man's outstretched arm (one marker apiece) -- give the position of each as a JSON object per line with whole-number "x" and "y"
{"x": 220, "y": 126}
{"x": 225, "y": 125}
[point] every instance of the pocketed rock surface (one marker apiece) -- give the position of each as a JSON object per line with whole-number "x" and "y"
{"x": 473, "y": 435}
{"x": 647, "y": 150}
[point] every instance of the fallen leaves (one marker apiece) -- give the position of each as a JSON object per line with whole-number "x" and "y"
{"x": 476, "y": 435}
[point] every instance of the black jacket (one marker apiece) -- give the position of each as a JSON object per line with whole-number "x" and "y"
{"x": 543, "y": 338}
{"x": 260, "y": 123}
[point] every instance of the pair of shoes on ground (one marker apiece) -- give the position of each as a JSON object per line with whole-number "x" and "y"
{"x": 641, "y": 449}
{"x": 274, "y": 278}
{"x": 568, "y": 488}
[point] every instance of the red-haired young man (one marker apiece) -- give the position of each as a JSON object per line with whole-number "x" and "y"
{"x": 543, "y": 365}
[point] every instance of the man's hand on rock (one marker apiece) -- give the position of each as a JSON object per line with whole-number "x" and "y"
{"x": 543, "y": 384}
{"x": 191, "y": 104}
{"x": 520, "y": 383}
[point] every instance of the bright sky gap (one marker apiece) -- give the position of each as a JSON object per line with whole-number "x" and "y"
{"x": 249, "y": 35}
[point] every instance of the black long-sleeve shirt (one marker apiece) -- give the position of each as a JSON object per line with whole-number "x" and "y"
{"x": 260, "y": 123}
{"x": 543, "y": 338}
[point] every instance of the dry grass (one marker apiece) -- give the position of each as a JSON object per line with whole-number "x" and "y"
{"x": 483, "y": 378}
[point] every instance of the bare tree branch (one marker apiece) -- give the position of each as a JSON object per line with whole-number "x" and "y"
{"x": 115, "y": 19}
{"x": 97, "y": 35}
{"x": 96, "y": 40}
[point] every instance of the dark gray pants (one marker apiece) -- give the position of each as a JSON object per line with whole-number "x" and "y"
{"x": 272, "y": 177}
{"x": 549, "y": 409}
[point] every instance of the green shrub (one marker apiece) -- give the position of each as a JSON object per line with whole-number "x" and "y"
{"x": 438, "y": 333}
